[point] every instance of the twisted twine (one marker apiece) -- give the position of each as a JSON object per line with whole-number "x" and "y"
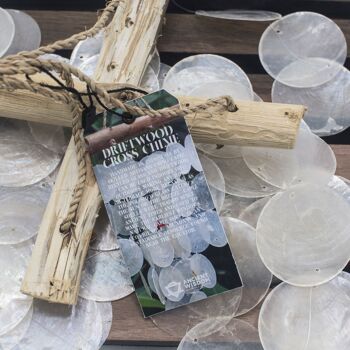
{"x": 29, "y": 63}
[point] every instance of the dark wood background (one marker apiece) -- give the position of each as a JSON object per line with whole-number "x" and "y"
{"x": 185, "y": 34}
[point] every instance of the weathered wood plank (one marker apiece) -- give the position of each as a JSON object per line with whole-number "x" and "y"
{"x": 181, "y": 32}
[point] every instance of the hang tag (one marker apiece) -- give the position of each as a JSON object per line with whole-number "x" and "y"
{"x": 150, "y": 178}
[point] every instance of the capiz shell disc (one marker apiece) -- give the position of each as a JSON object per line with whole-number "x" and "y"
{"x": 303, "y": 235}
{"x": 307, "y": 318}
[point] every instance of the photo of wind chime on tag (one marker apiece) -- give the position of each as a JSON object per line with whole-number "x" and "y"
{"x": 158, "y": 201}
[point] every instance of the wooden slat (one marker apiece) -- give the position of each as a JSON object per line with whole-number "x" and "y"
{"x": 130, "y": 327}
{"x": 181, "y": 33}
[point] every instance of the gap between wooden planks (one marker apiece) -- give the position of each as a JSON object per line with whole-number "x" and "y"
{"x": 182, "y": 32}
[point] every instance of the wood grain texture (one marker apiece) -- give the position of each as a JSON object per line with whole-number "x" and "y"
{"x": 56, "y": 264}
{"x": 181, "y": 33}
{"x": 253, "y": 124}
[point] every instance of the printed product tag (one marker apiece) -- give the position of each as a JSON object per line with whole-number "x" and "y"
{"x": 156, "y": 194}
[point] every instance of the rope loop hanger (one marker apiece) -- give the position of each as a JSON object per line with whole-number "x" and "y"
{"x": 29, "y": 63}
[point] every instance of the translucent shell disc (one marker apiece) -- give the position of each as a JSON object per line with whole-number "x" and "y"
{"x": 155, "y": 62}
{"x": 50, "y": 136}
{"x": 86, "y": 49}
{"x": 222, "y": 333}
{"x": 106, "y": 313}
{"x": 212, "y": 173}
{"x": 104, "y": 238}
{"x": 10, "y": 339}
{"x": 256, "y": 278}
{"x": 251, "y": 214}
{"x": 284, "y": 168}
{"x": 193, "y": 71}
{"x": 163, "y": 71}
{"x": 14, "y": 305}
{"x": 61, "y": 326}
{"x": 239, "y": 179}
{"x": 23, "y": 160}
{"x": 242, "y": 15}
{"x": 219, "y": 88}
{"x": 234, "y": 206}
{"x": 105, "y": 277}
{"x": 21, "y": 212}
{"x": 338, "y": 185}
{"x": 149, "y": 80}
{"x": 303, "y": 235}
{"x": 295, "y": 38}
{"x": 313, "y": 318}
{"x": 328, "y": 107}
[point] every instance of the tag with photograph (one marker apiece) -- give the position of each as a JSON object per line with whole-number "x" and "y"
{"x": 152, "y": 184}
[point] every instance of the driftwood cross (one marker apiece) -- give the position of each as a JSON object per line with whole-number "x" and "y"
{"x": 55, "y": 268}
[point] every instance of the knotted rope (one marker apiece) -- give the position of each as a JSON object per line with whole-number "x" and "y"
{"x": 30, "y": 63}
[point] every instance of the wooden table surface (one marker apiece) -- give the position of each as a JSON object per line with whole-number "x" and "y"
{"x": 183, "y": 34}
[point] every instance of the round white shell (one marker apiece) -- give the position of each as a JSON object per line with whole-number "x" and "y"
{"x": 234, "y": 206}
{"x": 21, "y": 210}
{"x": 163, "y": 71}
{"x": 7, "y": 30}
{"x": 283, "y": 168}
{"x": 239, "y": 179}
{"x": 106, "y": 313}
{"x": 14, "y": 305}
{"x": 242, "y": 15}
{"x": 104, "y": 238}
{"x": 58, "y": 326}
{"x": 86, "y": 49}
{"x": 293, "y": 40}
{"x": 313, "y": 318}
{"x": 303, "y": 235}
{"x": 27, "y": 33}
{"x": 105, "y": 277}
{"x": 328, "y": 107}
{"x": 23, "y": 160}
{"x": 256, "y": 278}
{"x": 193, "y": 71}
{"x": 222, "y": 333}
{"x": 10, "y": 339}
{"x": 213, "y": 174}
{"x": 250, "y": 215}
{"x": 50, "y": 136}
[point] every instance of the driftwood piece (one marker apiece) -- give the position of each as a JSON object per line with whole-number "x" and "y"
{"x": 55, "y": 268}
{"x": 254, "y": 123}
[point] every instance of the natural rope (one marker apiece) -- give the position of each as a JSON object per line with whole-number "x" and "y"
{"x": 30, "y": 63}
